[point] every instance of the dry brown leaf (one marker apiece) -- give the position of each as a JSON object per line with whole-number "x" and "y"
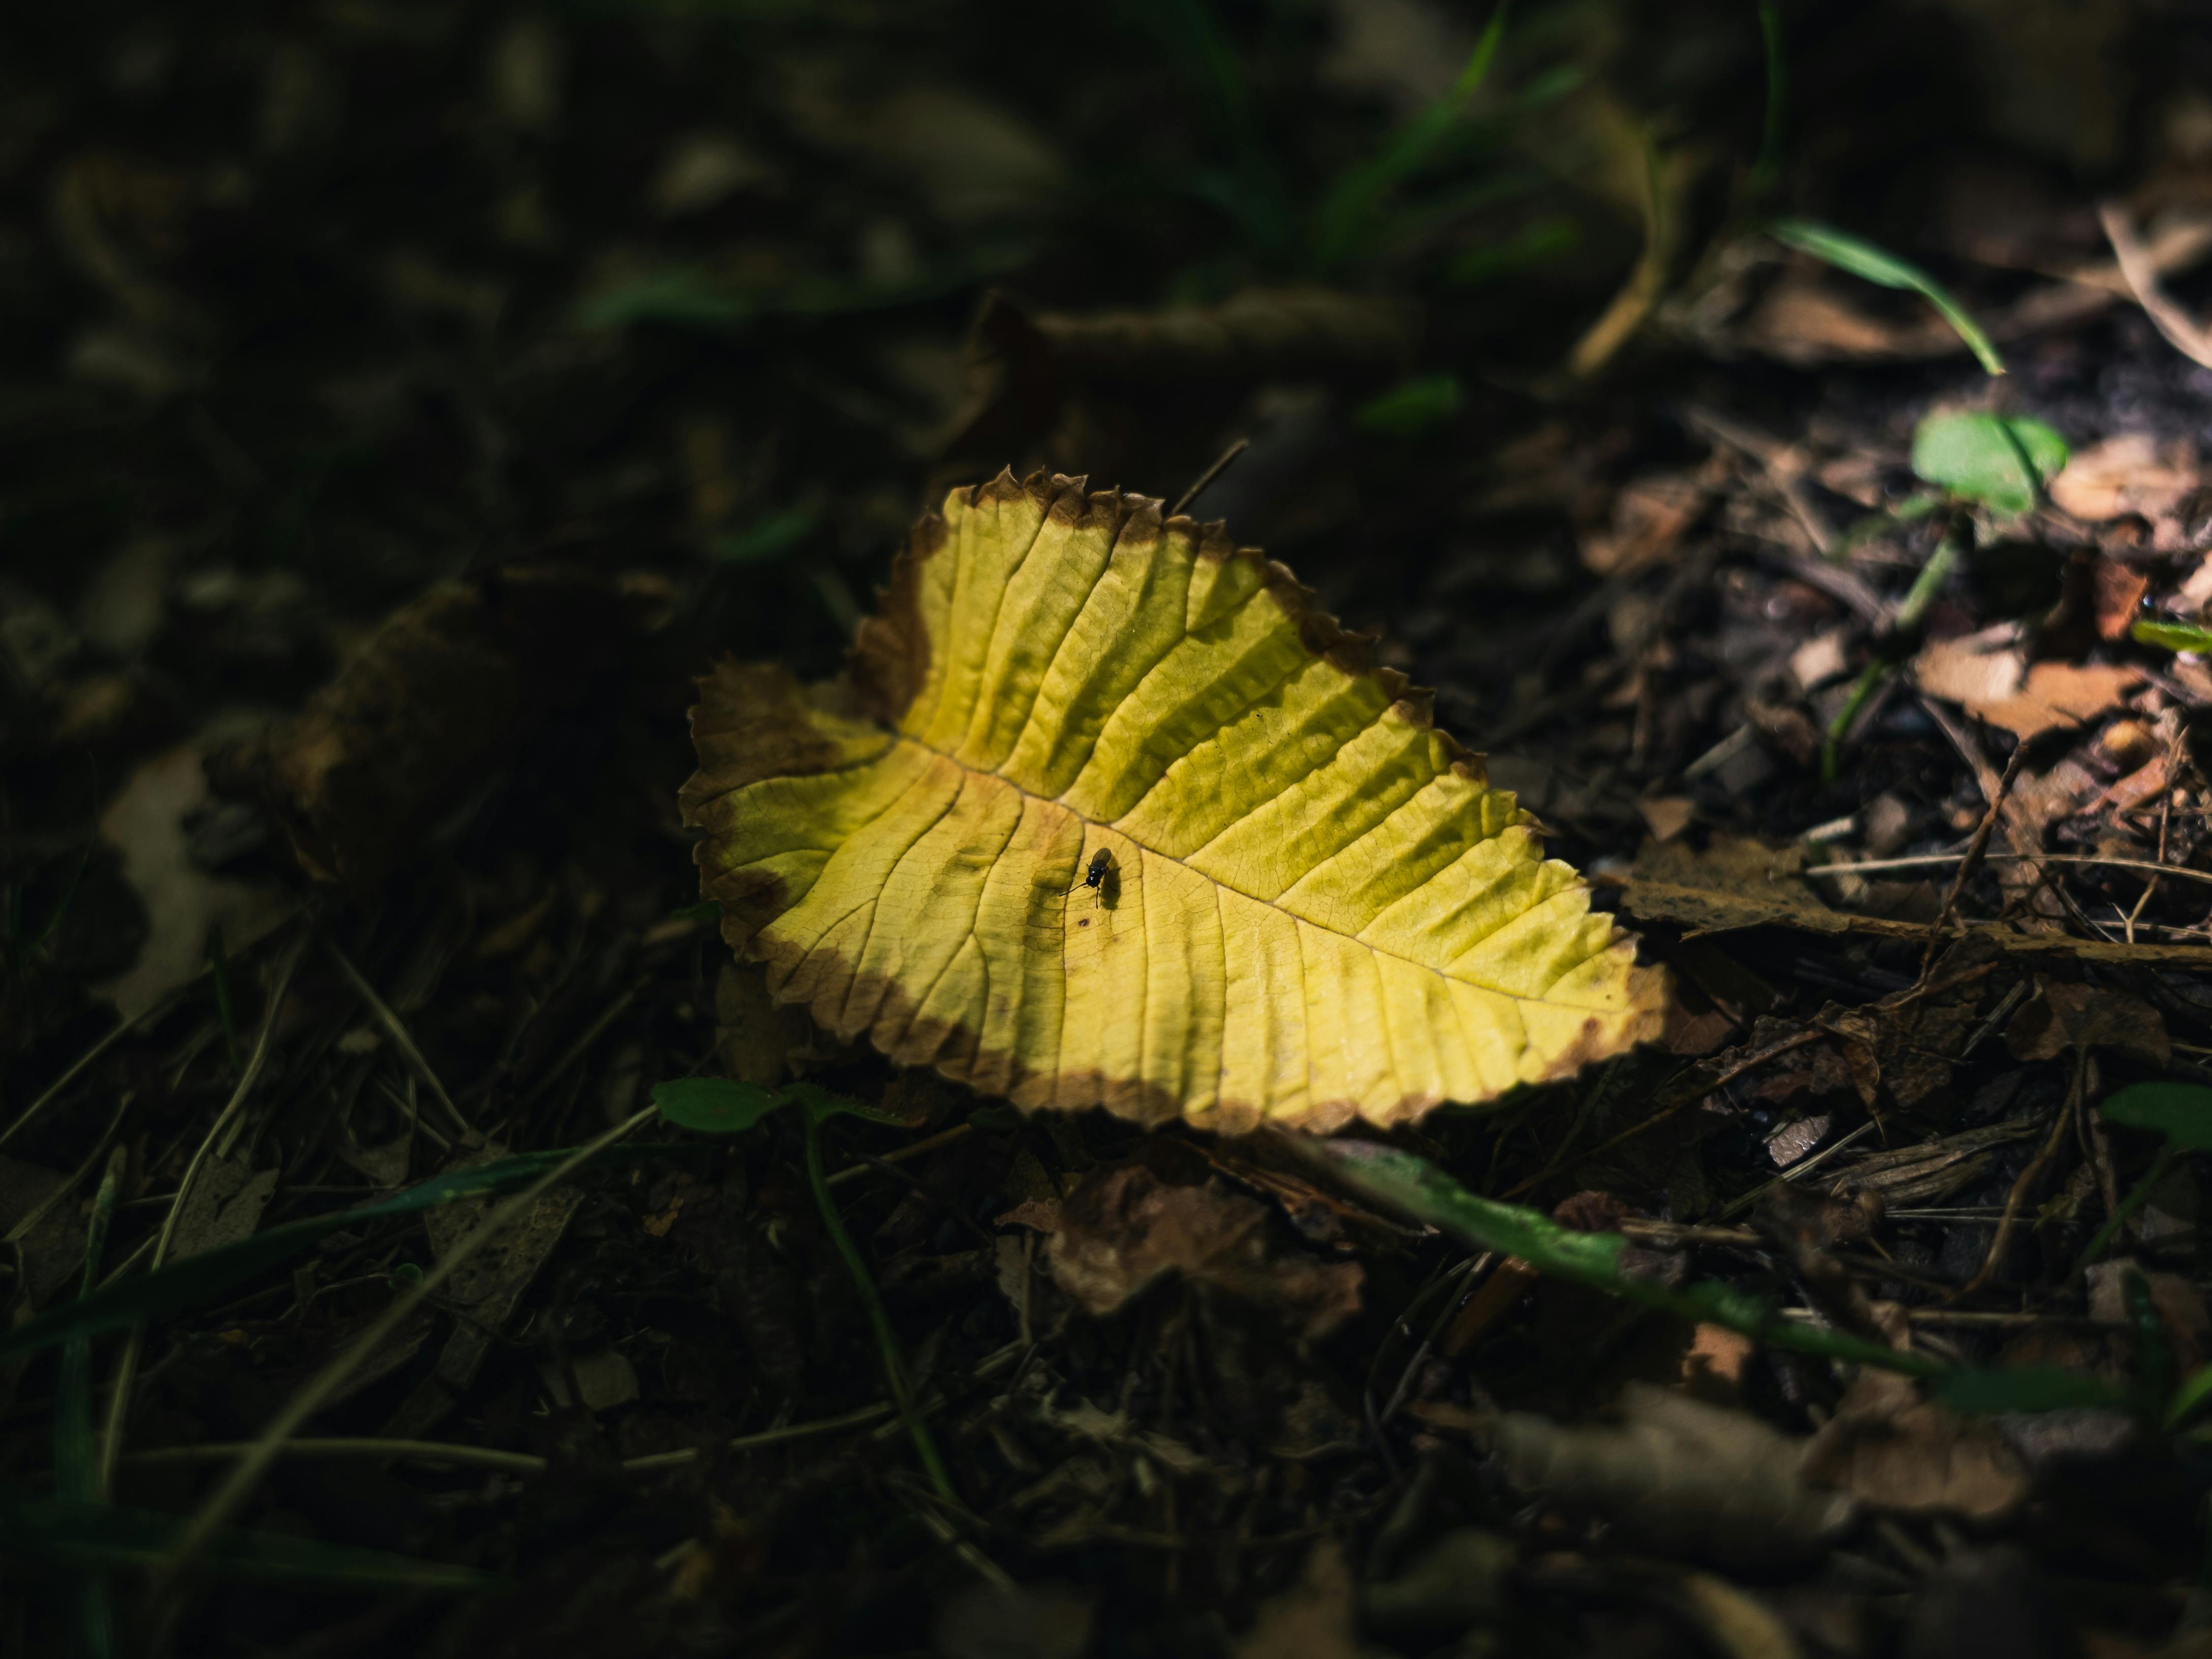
{"x": 1651, "y": 516}
{"x": 2126, "y": 474}
{"x": 2142, "y": 786}
{"x": 2061, "y": 1016}
{"x": 1982, "y": 668}
{"x": 2116, "y": 593}
{"x": 1679, "y": 1475}
{"x": 224, "y": 1206}
{"x": 1124, "y": 1228}
{"x": 1932, "y": 1171}
{"x": 1310, "y": 1620}
{"x": 1805, "y": 320}
{"x": 1991, "y": 686}
{"x": 1737, "y": 882}
{"x": 1891, "y": 1449}
{"x": 448, "y": 682}
{"x": 1463, "y": 1578}
{"x": 1667, "y": 816}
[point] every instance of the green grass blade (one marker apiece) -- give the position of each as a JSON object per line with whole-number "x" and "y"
{"x": 1419, "y": 1189}
{"x": 2172, "y": 635}
{"x": 1766, "y": 171}
{"x": 68, "y": 1532}
{"x": 76, "y": 1454}
{"x": 1864, "y": 260}
{"x": 192, "y": 1281}
{"x": 1349, "y": 209}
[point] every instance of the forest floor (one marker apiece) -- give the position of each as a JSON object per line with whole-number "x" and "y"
{"x": 402, "y": 406}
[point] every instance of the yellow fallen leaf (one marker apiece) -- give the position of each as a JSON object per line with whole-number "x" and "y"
{"x": 1307, "y": 907}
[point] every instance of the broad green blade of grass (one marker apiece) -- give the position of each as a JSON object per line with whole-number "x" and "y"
{"x": 190, "y": 1282}
{"x": 724, "y": 1106}
{"x": 76, "y": 1456}
{"x": 1419, "y": 1189}
{"x": 2025, "y": 1388}
{"x": 1350, "y": 207}
{"x": 2172, "y": 635}
{"x": 71, "y": 1533}
{"x": 2189, "y": 1397}
{"x": 1864, "y": 260}
{"x": 683, "y": 297}
{"x": 1766, "y": 171}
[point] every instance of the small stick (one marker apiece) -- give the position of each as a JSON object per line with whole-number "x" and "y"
{"x": 126, "y": 1367}
{"x": 1206, "y": 478}
{"x": 397, "y": 1030}
{"x": 2021, "y": 1187}
{"x": 1977, "y": 849}
{"x": 2182, "y": 331}
{"x": 1937, "y": 860}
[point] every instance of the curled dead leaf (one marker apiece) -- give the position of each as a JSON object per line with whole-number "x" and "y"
{"x": 1123, "y": 1229}
{"x": 378, "y": 754}
{"x": 2063, "y": 1016}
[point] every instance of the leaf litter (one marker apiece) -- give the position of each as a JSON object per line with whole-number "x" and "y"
{"x": 1862, "y": 1313}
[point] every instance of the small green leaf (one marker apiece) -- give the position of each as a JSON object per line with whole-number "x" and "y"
{"x": 2182, "y": 1112}
{"x": 770, "y": 539}
{"x": 716, "y": 1105}
{"x": 2172, "y": 636}
{"x": 1987, "y": 457}
{"x": 1413, "y": 408}
{"x": 1864, "y": 260}
{"x": 72, "y": 1532}
{"x": 2024, "y": 1388}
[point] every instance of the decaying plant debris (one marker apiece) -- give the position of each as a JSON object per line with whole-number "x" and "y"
{"x": 423, "y": 1233}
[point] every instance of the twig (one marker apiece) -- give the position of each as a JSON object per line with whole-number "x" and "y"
{"x": 76, "y": 1456}
{"x": 1936, "y": 860}
{"x": 2164, "y": 822}
{"x": 1783, "y": 464}
{"x": 582, "y": 1046}
{"x": 121, "y": 1029}
{"x": 239, "y": 1485}
{"x": 2182, "y": 331}
{"x": 396, "y": 1029}
{"x": 2026, "y": 1182}
{"x": 1207, "y": 478}
{"x": 2168, "y": 1156}
{"x": 900, "y": 1155}
{"x": 1700, "y": 1091}
{"x": 886, "y": 1339}
{"x": 1803, "y": 1167}
{"x": 441, "y": 1451}
{"x": 126, "y": 1366}
{"x": 1977, "y": 849}
{"x": 1962, "y": 740}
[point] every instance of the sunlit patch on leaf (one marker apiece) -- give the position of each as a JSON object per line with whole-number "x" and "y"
{"x": 1312, "y": 907}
